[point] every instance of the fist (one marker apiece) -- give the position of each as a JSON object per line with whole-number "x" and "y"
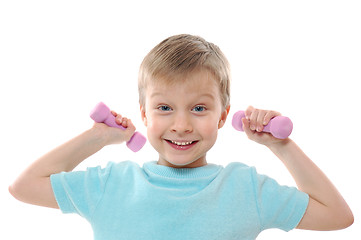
{"x": 114, "y": 135}
{"x": 254, "y": 123}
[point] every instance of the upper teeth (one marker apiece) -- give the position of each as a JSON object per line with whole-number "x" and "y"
{"x": 181, "y": 143}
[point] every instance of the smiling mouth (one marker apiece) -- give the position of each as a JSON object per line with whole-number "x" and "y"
{"x": 181, "y": 143}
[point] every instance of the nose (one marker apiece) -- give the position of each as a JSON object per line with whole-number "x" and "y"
{"x": 182, "y": 124}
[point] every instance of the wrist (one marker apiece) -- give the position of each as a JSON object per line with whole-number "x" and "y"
{"x": 280, "y": 146}
{"x": 97, "y": 136}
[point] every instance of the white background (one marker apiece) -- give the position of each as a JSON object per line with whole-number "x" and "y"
{"x": 59, "y": 58}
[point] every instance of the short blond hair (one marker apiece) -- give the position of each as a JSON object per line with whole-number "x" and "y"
{"x": 179, "y": 55}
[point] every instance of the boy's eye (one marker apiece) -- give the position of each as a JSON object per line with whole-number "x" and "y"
{"x": 199, "y": 109}
{"x": 164, "y": 108}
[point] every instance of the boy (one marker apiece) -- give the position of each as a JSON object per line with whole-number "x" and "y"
{"x": 184, "y": 100}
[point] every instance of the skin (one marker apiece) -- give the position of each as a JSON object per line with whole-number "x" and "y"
{"x": 188, "y": 112}
{"x": 327, "y": 210}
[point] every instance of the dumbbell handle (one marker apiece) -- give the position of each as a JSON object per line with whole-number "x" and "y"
{"x": 101, "y": 114}
{"x": 279, "y": 126}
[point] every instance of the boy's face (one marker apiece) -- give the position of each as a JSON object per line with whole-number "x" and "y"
{"x": 183, "y": 119}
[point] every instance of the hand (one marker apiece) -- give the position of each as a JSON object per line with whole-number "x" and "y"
{"x": 254, "y": 123}
{"x": 114, "y": 135}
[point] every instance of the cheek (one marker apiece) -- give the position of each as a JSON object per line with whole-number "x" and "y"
{"x": 155, "y": 126}
{"x": 208, "y": 129}
{"x": 153, "y": 134}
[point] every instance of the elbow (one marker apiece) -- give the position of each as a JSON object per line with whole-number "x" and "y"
{"x": 348, "y": 217}
{"x": 348, "y": 221}
{"x": 15, "y": 192}
{"x": 19, "y": 189}
{"x": 344, "y": 220}
{"x": 11, "y": 190}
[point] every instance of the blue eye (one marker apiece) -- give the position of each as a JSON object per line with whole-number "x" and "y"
{"x": 164, "y": 108}
{"x": 199, "y": 109}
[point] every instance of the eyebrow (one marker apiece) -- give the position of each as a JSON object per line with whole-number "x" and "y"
{"x": 202, "y": 95}
{"x": 156, "y": 94}
{"x": 207, "y": 95}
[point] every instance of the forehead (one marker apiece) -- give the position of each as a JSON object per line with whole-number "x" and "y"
{"x": 200, "y": 81}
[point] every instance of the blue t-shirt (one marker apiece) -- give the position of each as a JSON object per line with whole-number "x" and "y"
{"x": 126, "y": 201}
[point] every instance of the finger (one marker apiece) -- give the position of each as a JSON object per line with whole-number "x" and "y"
{"x": 125, "y": 122}
{"x": 113, "y": 113}
{"x": 119, "y": 119}
{"x": 130, "y": 129}
{"x": 246, "y": 128}
{"x": 260, "y": 120}
{"x": 248, "y": 112}
{"x": 269, "y": 116}
{"x": 130, "y": 125}
{"x": 253, "y": 119}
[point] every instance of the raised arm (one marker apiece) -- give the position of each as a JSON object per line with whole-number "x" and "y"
{"x": 327, "y": 210}
{"x": 33, "y": 185}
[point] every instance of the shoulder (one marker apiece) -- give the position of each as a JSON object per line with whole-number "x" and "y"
{"x": 245, "y": 170}
{"x": 125, "y": 165}
{"x": 239, "y": 168}
{"x": 240, "y": 172}
{"x": 98, "y": 172}
{"x": 238, "y": 165}
{"x": 117, "y": 168}
{"x": 248, "y": 175}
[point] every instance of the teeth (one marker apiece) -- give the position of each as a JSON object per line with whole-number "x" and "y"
{"x": 181, "y": 143}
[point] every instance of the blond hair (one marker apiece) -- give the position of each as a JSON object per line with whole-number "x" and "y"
{"x": 179, "y": 55}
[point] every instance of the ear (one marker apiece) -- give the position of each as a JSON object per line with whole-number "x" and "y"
{"x": 223, "y": 118}
{"x": 143, "y": 115}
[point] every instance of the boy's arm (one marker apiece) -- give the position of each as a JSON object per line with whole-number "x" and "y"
{"x": 327, "y": 210}
{"x": 33, "y": 185}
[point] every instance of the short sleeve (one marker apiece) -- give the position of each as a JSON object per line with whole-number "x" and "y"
{"x": 80, "y": 191}
{"x": 278, "y": 206}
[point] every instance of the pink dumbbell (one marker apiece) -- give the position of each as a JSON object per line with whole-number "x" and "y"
{"x": 280, "y": 126}
{"x": 101, "y": 114}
